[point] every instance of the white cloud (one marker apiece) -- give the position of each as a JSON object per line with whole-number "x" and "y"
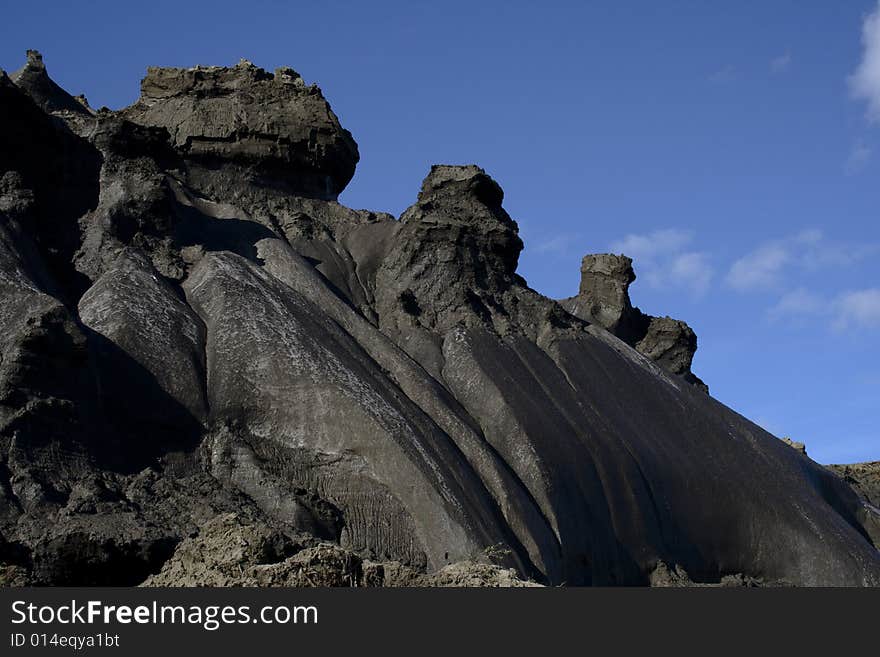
{"x": 663, "y": 260}
{"x": 858, "y": 309}
{"x": 858, "y": 158}
{"x": 823, "y": 254}
{"x": 849, "y": 310}
{"x": 650, "y": 246}
{"x": 781, "y": 64}
{"x": 766, "y": 266}
{"x": 865, "y": 82}
{"x": 558, "y": 244}
{"x": 692, "y": 270}
{"x": 759, "y": 269}
{"x": 797, "y": 303}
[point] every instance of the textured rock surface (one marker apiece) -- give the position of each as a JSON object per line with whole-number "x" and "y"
{"x": 865, "y": 480}
{"x": 211, "y": 372}
{"x": 603, "y": 299}
{"x": 35, "y": 81}
{"x": 666, "y": 576}
{"x": 798, "y": 447}
{"x": 271, "y": 126}
{"x": 864, "y": 477}
{"x": 228, "y": 551}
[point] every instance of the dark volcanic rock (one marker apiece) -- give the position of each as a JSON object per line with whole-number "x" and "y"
{"x": 865, "y": 480}
{"x": 211, "y": 372}
{"x": 376, "y": 456}
{"x": 864, "y": 477}
{"x": 273, "y": 128}
{"x": 452, "y": 256}
{"x": 799, "y": 447}
{"x": 60, "y": 170}
{"x": 603, "y": 295}
{"x": 33, "y": 79}
{"x": 149, "y": 347}
{"x": 603, "y": 299}
{"x": 229, "y": 551}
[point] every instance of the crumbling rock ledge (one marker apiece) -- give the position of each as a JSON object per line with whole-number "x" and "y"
{"x": 212, "y": 372}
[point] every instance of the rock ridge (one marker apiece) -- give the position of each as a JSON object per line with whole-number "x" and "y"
{"x": 200, "y": 346}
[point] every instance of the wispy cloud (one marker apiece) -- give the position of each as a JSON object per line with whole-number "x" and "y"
{"x": 851, "y": 310}
{"x": 663, "y": 259}
{"x": 650, "y": 246}
{"x": 759, "y": 269}
{"x": 765, "y": 267}
{"x": 858, "y": 159}
{"x": 692, "y": 270}
{"x": 799, "y": 302}
{"x": 858, "y": 309}
{"x": 557, "y": 244}
{"x": 813, "y": 251}
{"x": 865, "y": 82}
{"x": 781, "y": 64}
{"x": 725, "y": 74}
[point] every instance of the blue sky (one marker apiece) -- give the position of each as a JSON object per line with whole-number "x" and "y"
{"x": 731, "y": 148}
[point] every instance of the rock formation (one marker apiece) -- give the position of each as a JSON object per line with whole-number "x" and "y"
{"x": 799, "y": 447}
{"x": 603, "y": 299}
{"x": 864, "y": 477}
{"x": 229, "y": 551}
{"x": 196, "y": 338}
{"x": 272, "y": 129}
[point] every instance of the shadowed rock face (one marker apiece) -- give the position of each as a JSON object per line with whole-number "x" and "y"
{"x": 603, "y": 299}
{"x": 381, "y": 398}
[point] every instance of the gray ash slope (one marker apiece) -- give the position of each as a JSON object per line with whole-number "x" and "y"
{"x": 194, "y": 329}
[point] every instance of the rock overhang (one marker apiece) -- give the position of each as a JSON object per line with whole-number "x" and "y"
{"x": 274, "y": 127}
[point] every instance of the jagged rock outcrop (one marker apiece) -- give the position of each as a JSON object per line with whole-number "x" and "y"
{"x": 453, "y": 255}
{"x": 798, "y": 447}
{"x": 34, "y": 80}
{"x": 603, "y": 295}
{"x": 193, "y": 329}
{"x": 274, "y": 129}
{"x": 603, "y": 299}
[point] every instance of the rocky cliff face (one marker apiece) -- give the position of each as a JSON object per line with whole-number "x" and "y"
{"x": 193, "y": 329}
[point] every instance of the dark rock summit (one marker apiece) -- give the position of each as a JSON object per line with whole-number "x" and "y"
{"x": 603, "y": 299}
{"x": 33, "y": 79}
{"x": 270, "y": 128}
{"x": 199, "y": 346}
